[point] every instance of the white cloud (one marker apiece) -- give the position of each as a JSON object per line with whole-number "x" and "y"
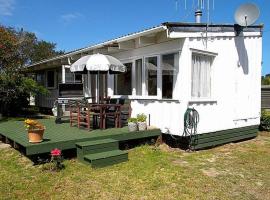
{"x": 67, "y": 18}
{"x": 7, "y": 7}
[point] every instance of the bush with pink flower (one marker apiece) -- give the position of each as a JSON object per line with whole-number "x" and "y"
{"x": 56, "y": 159}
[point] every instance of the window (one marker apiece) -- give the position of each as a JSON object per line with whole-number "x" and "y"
{"x": 71, "y": 77}
{"x": 168, "y": 67}
{"x": 201, "y": 76}
{"x": 151, "y": 75}
{"x": 40, "y": 78}
{"x": 122, "y": 82}
{"x": 138, "y": 76}
{"x": 51, "y": 79}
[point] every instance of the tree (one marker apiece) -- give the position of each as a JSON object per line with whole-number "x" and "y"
{"x": 17, "y": 49}
{"x": 266, "y": 79}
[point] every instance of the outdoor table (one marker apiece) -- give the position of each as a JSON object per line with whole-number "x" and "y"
{"x": 115, "y": 110}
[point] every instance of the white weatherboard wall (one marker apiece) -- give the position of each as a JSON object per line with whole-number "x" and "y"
{"x": 235, "y": 84}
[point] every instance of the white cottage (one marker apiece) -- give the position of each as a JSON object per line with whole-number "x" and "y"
{"x": 215, "y": 69}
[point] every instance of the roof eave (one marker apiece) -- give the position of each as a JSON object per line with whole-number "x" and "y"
{"x": 100, "y": 45}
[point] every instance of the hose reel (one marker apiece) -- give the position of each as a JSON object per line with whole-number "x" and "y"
{"x": 191, "y": 120}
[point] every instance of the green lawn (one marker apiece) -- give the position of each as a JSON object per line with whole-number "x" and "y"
{"x": 233, "y": 171}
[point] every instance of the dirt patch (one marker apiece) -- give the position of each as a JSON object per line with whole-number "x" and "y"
{"x": 4, "y": 146}
{"x": 211, "y": 172}
{"x": 212, "y": 160}
{"x": 180, "y": 162}
{"x": 166, "y": 148}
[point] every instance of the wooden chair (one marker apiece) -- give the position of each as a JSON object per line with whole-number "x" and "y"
{"x": 104, "y": 100}
{"x": 73, "y": 112}
{"x": 88, "y": 113}
{"x": 112, "y": 113}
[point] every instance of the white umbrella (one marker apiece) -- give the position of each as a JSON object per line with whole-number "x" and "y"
{"x": 98, "y": 63}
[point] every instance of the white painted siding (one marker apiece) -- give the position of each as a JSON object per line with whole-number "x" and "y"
{"x": 235, "y": 84}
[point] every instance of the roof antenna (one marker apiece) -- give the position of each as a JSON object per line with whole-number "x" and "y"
{"x": 176, "y": 5}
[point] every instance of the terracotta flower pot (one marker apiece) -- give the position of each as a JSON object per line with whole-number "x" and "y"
{"x": 35, "y": 135}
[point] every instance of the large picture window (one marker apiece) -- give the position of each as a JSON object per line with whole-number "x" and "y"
{"x": 122, "y": 82}
{"x": 201, "y": 76}
{"x": 151, "y": 75}
{"x": 168, "y": 67}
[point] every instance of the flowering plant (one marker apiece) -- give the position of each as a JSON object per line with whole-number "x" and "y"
{"x": 57, "y": 159}
{"x": 31, "y": 124}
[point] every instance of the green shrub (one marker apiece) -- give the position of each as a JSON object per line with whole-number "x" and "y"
{"x": 132, "y": 120}
{"x": 265, "y": 121}
{"x": 141, "y": 117}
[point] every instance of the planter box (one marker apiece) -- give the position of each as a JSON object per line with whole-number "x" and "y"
{"x": 142, "y": 126}
{"x": 132, "y": 127}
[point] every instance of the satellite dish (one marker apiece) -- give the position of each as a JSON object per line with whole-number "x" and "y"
{"x": 247, "y": 14}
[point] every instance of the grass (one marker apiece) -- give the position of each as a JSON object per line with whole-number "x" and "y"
{"x": 233, "y": 171}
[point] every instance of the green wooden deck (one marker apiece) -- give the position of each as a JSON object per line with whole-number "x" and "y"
{"x": 63, "y": 136}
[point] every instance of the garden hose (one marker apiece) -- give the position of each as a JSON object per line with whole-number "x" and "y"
{"x": 191, "y": 120}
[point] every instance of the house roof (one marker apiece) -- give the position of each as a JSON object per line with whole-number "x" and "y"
{"x": 166, "y": 26}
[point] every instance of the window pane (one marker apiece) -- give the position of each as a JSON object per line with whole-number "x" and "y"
{"x": 138, "y": 77}
{"x": 201, "y": 76}
{"x": 69, "y": 76}
{"x": 40, "y": 78}
{"x": 50, "y": 79}
{"x": 168, "y": 67}
{"x": 151, "y": 75}
{"x": 122, "y": 82}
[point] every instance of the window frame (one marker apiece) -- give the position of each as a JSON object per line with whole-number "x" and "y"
{"x": 159, "y": 76}
{"x": 145, "y": 87}
{"x": 212, "y": 56}
{"x": 127, "y": 61}
{"x": 177, "y": 54}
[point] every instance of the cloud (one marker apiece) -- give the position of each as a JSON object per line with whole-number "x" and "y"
{"x": 68, "y": 18}
{"x": 7, "y": 7}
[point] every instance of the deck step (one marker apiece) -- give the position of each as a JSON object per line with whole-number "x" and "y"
{"x": 106, "y": 158}
{"x": 97, "y": 146}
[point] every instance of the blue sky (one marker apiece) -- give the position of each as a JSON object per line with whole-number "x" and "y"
{"x": 80, "y": 23}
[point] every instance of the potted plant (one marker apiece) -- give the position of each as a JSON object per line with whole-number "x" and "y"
{"x": 141, "y": 120}
{"x": 132, "y": 124}
{"x": 35, "y": 130}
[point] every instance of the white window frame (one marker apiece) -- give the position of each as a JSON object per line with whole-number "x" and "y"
{"x": 132, "y": 81}
{"x": 178, "y": 53}
{"x": 210, "y": 55}
{"x": 55, "y": 79}
{"x": 145, "y": 88}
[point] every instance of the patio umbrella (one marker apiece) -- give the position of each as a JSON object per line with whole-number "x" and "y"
{"x": 98, "y": 63}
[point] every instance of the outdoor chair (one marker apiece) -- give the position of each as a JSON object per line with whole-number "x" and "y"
{"x": 89, "y": 112}
{"x": 73, "y": 112}
{"x": 112, "y": 114}
{"x": 105, "y": 100}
